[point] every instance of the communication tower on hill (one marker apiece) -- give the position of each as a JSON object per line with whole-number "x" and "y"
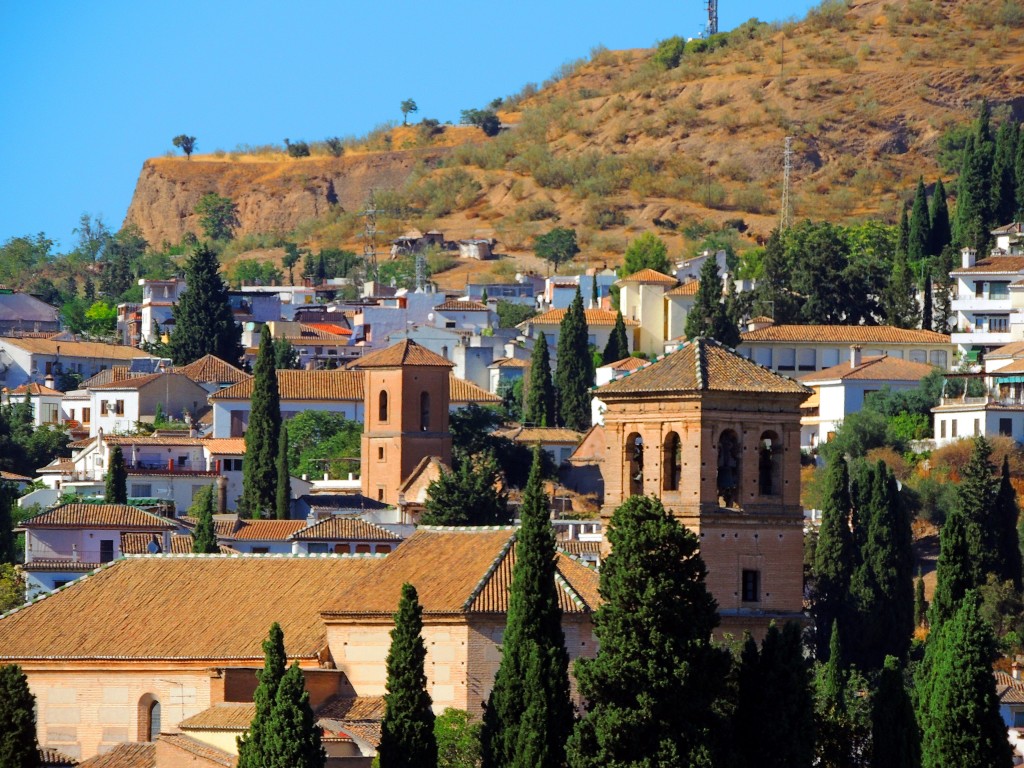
{"x": 786, "y": 215}
{"x": 712, "y": 17}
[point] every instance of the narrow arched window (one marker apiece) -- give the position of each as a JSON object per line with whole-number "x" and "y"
{"x": 149, "y": 718}
{"x": 728, "y": 467}
{"x": 671, "y": 462}
{"x": 424, "y": 412}
{"x": 634, "y": 464}
{"x": 769, "y": 465}
{"x": 382, "y": 406}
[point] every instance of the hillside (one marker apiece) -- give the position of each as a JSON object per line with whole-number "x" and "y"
{"x": 866, "y": 90}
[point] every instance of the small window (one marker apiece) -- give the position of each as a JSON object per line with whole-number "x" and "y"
{"x": 383, "y": 549}
{"x": 119, "y": 408}
{"x": 424, "y": 412}
{"x": 787, "y": 359}
{"x": 380, "y": 494}
{"x": 103, "y": 407}
{"x": 382, "y": 406}
{"x": 141, "y": 490}
{"x": 751, "y": 586}
{"x": 106, "y": 550}
{"x": 342, "y": 549}
{"x": 86, "y": 416}
{"x": 317, "y": 548}
{"x": 942, "y": 428}
{"x": 362, "y": 549}
{"x": 953, "y": 423}
{"x": 380, "y": 453}
{"x": 260, "y": 550}
{"x": 1006, "y": 427}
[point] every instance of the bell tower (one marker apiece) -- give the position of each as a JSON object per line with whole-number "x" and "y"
{"x": 406, "y": 393}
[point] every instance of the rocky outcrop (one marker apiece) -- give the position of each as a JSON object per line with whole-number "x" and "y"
{"x": 271, "y": 195}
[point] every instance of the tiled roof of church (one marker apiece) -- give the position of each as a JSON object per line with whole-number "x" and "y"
{"x": 405, "y": 352}
{"x": 125, "y": 755}
{"x": 303, "y": 385}
{"x": 210, "y": 369}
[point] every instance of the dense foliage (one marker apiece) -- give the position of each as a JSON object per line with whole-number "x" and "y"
{"x": 203, "y": 321}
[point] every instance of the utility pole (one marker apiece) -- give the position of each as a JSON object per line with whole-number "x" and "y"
{"x": 786, "y": 215}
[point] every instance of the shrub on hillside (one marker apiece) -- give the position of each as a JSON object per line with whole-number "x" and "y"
{"x": 669, "y": 52}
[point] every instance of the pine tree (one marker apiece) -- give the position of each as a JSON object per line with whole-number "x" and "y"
{"x": 407, "y": 731}
{"x": 8, "y": 546}
{"x": 963, "y": 726}
{"x": 204, "y": 539}
{"x": 834, "y": 556}
{"x": 926, "y": 304}
{"x": 529, "y": 714}
{"x": 654, "y": 692}
{"x": 900, "y": 304}
{"x": 617, "y": 347}
{"x": 575, "y": 372}
{"x": 939, "y": 216}
{"x": 117, "y": 478}
{"x": 920, "y": 603}
{"x": 700, "y": 321}
{"x": 919, "y": 233}
{"x": 1002, "y": 529}
{"x": 540, "y": 393}
{"x": 293, "y": 736}
{"x": 203, "y": 321}
{"x": 895, "y": 736}
{"x": 254, "y": 748}
{"x": 259, "y": 476}
{"x": 283, "y": 498}
{"x": 18, "y": 747}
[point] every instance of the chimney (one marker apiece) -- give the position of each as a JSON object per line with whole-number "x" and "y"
{"x": 48, "y": 381}
{"x": 855, "y": 357}
{"x": 969, "y": 257}
{"x": 1015, "y": 670}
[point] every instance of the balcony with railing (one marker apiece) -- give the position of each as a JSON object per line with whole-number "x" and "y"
{"x": 1003, "y": 401}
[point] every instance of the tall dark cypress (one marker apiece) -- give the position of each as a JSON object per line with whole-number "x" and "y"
{"x": 18, "y": 747}
{"x": 259, "y": 471}
{"x": 939, "y": 216}
{"x": 407, "y": 731}
{"x": 540, "y": 392}
{"x": 900, "y": 304}
{"x": 895, "y": 736}
{"x": 834, "y": 557}
{"x": 1004, "y": 542}
{"x": 294, "y": 739}
{"x": 117, "y": 478}
{"x": 575, "y": 372}
{"x": 204, "y": 538}
{"x": 1004, "y": 182}
{"x": 919, "y": 232}
{"x": 926, "y": 300}
{"x": 617, "y": 347}
{"x": 920, "y": 603}
{"x": 956, "y": 571}
{"x": 529, "y": 714}
{"x": 283, "y": 495}
{"x": 976, "y": 496}
{"x": 1018, "y": 174}
{"x": 8, "y": 548}
{"x": 944, "y": 288}
{"x": 700, "y": 320}
{"x": 203, "y": 321}
{"x": 254, "y": 747}
{"x": 843, "y": 727}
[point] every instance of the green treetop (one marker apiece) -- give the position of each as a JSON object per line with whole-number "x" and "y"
{"x": 204, "y": 539}
{"x": 919, "y": 233}
{"x": 956, "y": 571}
{"x": 259, "y": 477}
{"x": 529, "y": 714}
{"x": 895, "y": 737}
{"x": 1018, "y": 173}
{"x": 1004, "y": 182}
{"x": 707, "y": 304}
{"x": 900, "y": 304}
{"x": 407, "y": 731}
{"x": 938, "y": 215}
{"x": 540, "y": 392}
{"x": 117, "y": 478}
{"x": 834, "y": 556}
{"x": 218, "y": 216}
{"x": 8, "y": 548}
{"x": 18, "y": 747}
{"x": 254, "y": 748}
{"x": 283, "y": 496}
{"x": 203, "y": 321}
{"x": 294, "y": 739}
{"x": 575, "y": 372}
{"x": 1004, "y": 544}
{"x": 648, "y": 251}
{"x": 557, "y": 246}
{"x": 472, "y": 494}
{"x": 843, "y": 716}
{"x": 618, "y": 343}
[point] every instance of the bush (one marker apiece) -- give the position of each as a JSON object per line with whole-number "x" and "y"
{"x": 604, "y": 215}
{"x": 669, "y": 52}
{"x": 751, "y": 199}
{"x": 298, "y": 149}
{"x": 829, "y": 14}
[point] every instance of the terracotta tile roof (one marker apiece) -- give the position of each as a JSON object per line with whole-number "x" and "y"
{"x": 267, "y": 530}
{"x": 649, "y": 276}
{"x": 509, "y": 362}
{"x": 223, "y": 525}
{"x": 1013, "y": 349}
{"x": 762, "y": 319}
{"x": 352, "y": 708}
{"x": 62, "y": 466}
{"x": 5, "y": 475}
{"x": 52, "y": 758}
{"x": 701, "y": 365}
{"x": 577, "y": 547}
{"x": 138, "y": 543}
{"x": 463, "y": 391}
{"x": 428, "y": 469}
{"x": 345, "y": 528}
{"x": 230, "y": 446}
{"x": 334, "y": 328}
{"x": 882, "y": 368}
{"x": 689, "y": 288}
{"x": 92, "y": 349}
{"x": 212, "y": 370}
{"x": 221, "y": 608}
{"x": 1008, "y": 690}
{"x": 199, "y": 749}
{"x": 126, "y": 755}
{"x": 814, "y": 401}
{"x": 627, "y": 364}
{"x": 994, "y": 265}
{"x": 1013, "y": 228}
{"x": 98, "y": 516}
{"x": 533, "y": 435}
{"x": 308, "y": 332}
{"x": 592, "y": 316}
{"x": 845, "y": 334}
{"x": 304, "y": 385}
{"x": 34, "y": 389}
{"x": 1015, "y": 366}
{"x": 454, "y": 305}
{"x": 405, "y": 352}
{"x": 64, "y": 566}
{"x": 183, "y": 439}
{"x": 134, "y": 382}
{"x": 230, "y": 716}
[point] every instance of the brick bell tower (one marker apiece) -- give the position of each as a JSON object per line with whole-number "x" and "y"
{"x": 406, "y": 394}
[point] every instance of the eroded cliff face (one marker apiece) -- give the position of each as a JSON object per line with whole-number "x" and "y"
{"x": 272, "y": 195}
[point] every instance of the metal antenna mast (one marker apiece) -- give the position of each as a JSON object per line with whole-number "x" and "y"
{"x": 421, "y": 273}
{"x": 786, "y": 217}
{"x": 712, "y": 17}
{"x": 370, "y": 237}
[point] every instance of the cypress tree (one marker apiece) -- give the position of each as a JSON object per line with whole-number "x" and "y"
{"x": 595, "y": 301}
{"x": 919, "y": 232}
{"x": 529, "y": 714}
{"x": 1004, "y": 181}
{"x": 294, "y": 737}
{"x": 617, "y": 347}
{"x": 973, "y": 218}
{"x": 575, "y": 373}
{"x": 976, "y": 496}
{"x": 8, "y": 547}
{"x": 204, "y": 539}
{"x": 926, "y": 305}
{"x": 843, "y": 716}
{"x": 939, "y": 215}
{"x": 203, "y": 321}
{"x": 117, "y": 478}
{"x": 654, "y": 691}
{"x": 900, "y": 304}
{"x": 1004, "y": 542}
{"x": 283, "y": 497}
{"x": 956, "y": 570}
{"x": 254, "y": 748}
{"x": 18, "y": 747}
{"x": 944, "y": 289}
{"x": 895, "y": 736}
{"x": 1018, "y": 173}
{"x": 407, "y": 731}
{"x": 834, "y": 556}
{"x": 259, "y": 476}
{"x": 540, "y": 393}
{"x": 963, "y": 726}
{"x": 920, "y": 603}
{"x": 700, "y": 321}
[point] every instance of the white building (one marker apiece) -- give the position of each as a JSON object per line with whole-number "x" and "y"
{"x": 35, "y": 360}
{"x": 45, "y": 402}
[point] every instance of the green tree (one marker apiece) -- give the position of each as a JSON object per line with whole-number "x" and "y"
{"x": 956, "y": 571}
{"x": 843, "y": 716}
{"x": 407, "y": 731}
{"x": 511, "y": 314}
{"x": 319, "y": 442}
{"x": 8, "y": 541}
{"x": 540, "y": 392}
{"x": 203, "y": 321}
{"x": 962, "y": 725}
{"x": 938, "y": 214}
{"x": 1004, "y": 543}
{"x": 1004, "y": 182}
{"x": 408, "y": 106}
{"x": 185, "y": 143}
{"x": 470, "y": 495}
{"x": 12, "y": 587}
{"x": 286, "y": 357}
{"x": 654, "y": 693}
{"x": 117, "y": 478}
{"x": 919, "y": 233}
{"x": 944, "y": 290}
{"x": 557, "y": 246}
{"x": 458, "y": 739}
{"x": 529, "y": 714}
{"x": 296, "y": 149}
{"x": 204, "y": 538}
{"x": 976, "y": 496}
{"x": 972, "y": 215}
{"x": 259, "y": 475}
{"x": 283, "y": 497}
{"x": 617, "y": 347}
{"x": 927, "y": 311}
{"x": 1018, "y": 173}
{"x": 920, "y": 603}
{"x": 218, "y": 216}
{"x": 486, "y": 120}
{"x": 294, "y": 737}
{"x": 710, "y": 315}
{"x": 254, "y": 747}
{"x": 289, "y": 260}
{"x": 900, "y": 304}
{"x": 648, "y": 251}
{"x": 895, "y": 736}
{"x": 335, "y": 147}
{"x": 101, "y": 318}
{"x": 575, "y": 372}
{"x": 18, "y": 747}
{"x": 834, "y": 556}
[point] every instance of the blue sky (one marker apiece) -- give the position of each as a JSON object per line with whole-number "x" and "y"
{"x": 90, "y": 90}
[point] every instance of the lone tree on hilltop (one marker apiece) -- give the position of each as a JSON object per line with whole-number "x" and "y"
{"x": 408, "y": 106}
{"x": 18, "y": 745}
{"x": 262, "y": 438}
{"x": 203, "y": 321}
{"x": 185, "y": 143}
{"x": 117, "y": 478}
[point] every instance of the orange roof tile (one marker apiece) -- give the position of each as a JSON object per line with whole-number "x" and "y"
{"x": 199, "y": 749}
{"x": 267, "y": 530}
{"x": 344, "y": 528}
{"x": 352, "y": 708}
{"x": 67, "y": 349}
{"x": 689, "y": 288}
{"x": 125, "y": 755}
{"x": 454, "y": 305}
{"x": 592, "y": 316}
{"x": 135, "y": 382}
{"x": 994, "y": 265}
{"x": 649, "y": 276}
{"x": 1013, "y": 349}
{"x": 463, "y": 391}
{"x": 227, "y": 716}
{"x": 627, "y": 364}
{"x": 882, "y": 368}
{"x": 98, "y": 516}
{"x": 405, "y": 352}
{"x": 52, "y": 758}
{"x": 533, "y": 435}
{"x": 845, "y": 334}
{"x": 701, "y": 365}
{"x": 304, "y": 385}
{"x": 309, "y": 332}
{"x": 210, "y": 369}
{"x": 509, "y": 362}
{"x": 224, "y": 526}
{"x": 1015, "y": 366}
{"x": 334, "y": 328}
{"x": 230, "y": 446}
{"x": 180, "y": 439}
{"x": 12, "y": 477}
{"x": 34, "y": 389}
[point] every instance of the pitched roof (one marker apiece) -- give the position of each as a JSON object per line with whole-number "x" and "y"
{"x": 232, "y": 446}
{"x": 626, "y": 364}
{"x": 541, "y": 435}
{"x": 210, "y": 369}
{"x": 14, "y": 478}
{"x": 1015, "y": 366}
{"x": 125, "y": 755}
{"x": 221, "y": 607}
{"x": 994, "y": 265}
{"x": 132, "y": 382}
{"x": 454, "y": 305}
{"x": 509, "y": 362}
{"x": 199, "y": 749}
{"x": 689, "y": 288}
{"x": 266, "y": 530}
{"x": 406, "y": 352}
{"x": 345, "y": 528}
{"x": 317, "y": 332}
{"x": 701, "y": 365}
{"x": 77, "y": 349}
{"x": 224, "y": 526}
{"x": 164, "y": 439}
{"x": 352, "y": 708}
{"x": 1013, "y": 349}
{"x": 592, "y": 316}
{"x": 334, "y": 328}
{"x": 303, "y": 385}
{"x": 52, "y": 758}
{"x": 649, "y": 276}
{"x": 226, "y": 716}
{"x": 845, "y": 334}
{"x": 34, "y": 389}
{"x": 463, "y": 391}
{"x": 1009, "y": 690}
{"x": 98, "y": 516}
{"x": 881, "y": 368}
